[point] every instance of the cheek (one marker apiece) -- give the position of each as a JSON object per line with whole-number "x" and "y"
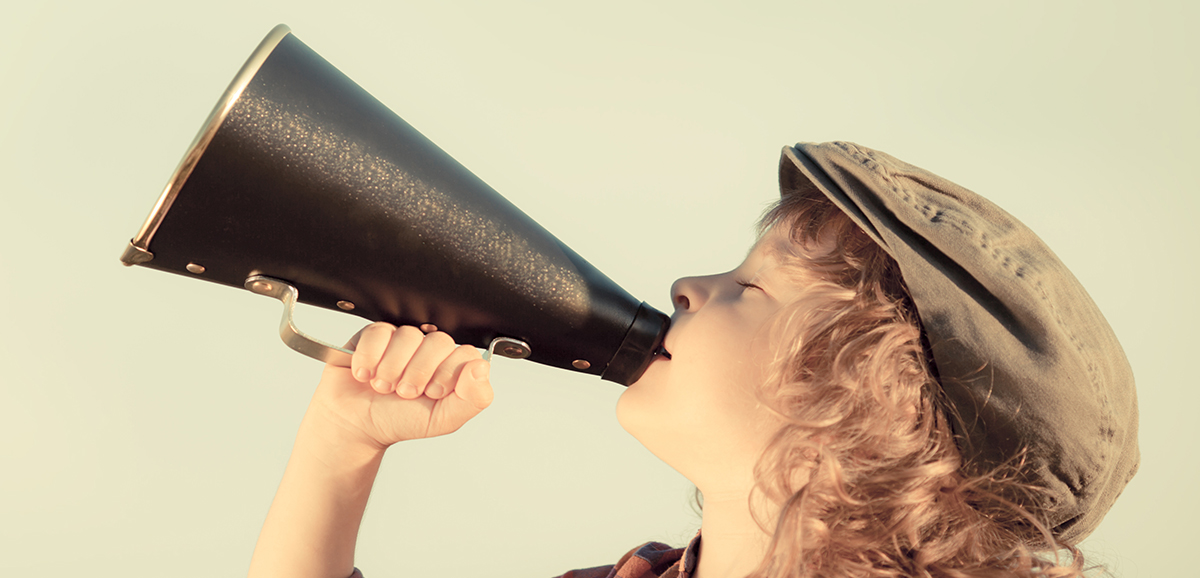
{"x": 731, "y": 356}
{"x": 709, "y": 387}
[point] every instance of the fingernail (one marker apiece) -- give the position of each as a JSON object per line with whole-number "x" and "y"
{"x": 362, "y": 374}
{"x": 381, "y": 385}
{"x": 479, "y": 371}
{"x": 407, "y": 390}
{"x": 434, "y": 390}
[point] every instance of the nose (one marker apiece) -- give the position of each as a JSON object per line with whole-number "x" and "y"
{"x": 687, "y": 294}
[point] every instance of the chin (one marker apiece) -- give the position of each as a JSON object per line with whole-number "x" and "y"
{"x": 627, "y": 410}
{"x": 638, "y": 413}
{"x": 644, "y": 412}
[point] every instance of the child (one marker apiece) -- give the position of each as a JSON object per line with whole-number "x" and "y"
{"x": 899, "y": 380}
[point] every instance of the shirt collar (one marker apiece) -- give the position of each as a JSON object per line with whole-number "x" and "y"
{"x": 691, "y": 555}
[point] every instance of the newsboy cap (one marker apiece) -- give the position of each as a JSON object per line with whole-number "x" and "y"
{"x": 1026, "y": 360}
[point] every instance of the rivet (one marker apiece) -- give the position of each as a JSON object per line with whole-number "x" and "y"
{"x": 428, "y": 327}
{"x": 345, "y": 305}
{"x": 261, "y": 287}
{"x": 580, "y": 364}
{"x": 195, "y": 268}
{"x": 510, "y": 350}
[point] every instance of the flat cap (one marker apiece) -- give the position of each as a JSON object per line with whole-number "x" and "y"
{"x": 1025, "y": 358}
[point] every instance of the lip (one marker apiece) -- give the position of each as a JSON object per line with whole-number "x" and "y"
{"x": 662, "y": 352}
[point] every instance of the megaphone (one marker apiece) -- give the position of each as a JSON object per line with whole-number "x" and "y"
{"x": 303, "y": 187}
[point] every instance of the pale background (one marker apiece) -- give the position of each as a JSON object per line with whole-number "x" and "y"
{"x": 146, "y": 418}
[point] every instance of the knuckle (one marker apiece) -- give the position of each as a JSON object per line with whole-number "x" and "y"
{"x": 409, "y": 332}
{"x": 380, "y": 327}
{"x": 469, "y": 351}
{"x": 440, "y": 338}
{"x": 375, "y": 335}
{"x": 417, "y": 374}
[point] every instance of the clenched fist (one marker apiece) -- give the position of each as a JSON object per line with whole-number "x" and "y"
{"x": 402, "y": 384}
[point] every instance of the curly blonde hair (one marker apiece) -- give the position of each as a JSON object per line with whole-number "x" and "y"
{"x": 865, "y": 472}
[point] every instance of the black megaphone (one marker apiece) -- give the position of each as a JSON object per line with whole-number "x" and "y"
{"x": 303, "y": 187}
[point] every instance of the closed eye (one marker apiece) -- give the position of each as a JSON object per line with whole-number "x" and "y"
{"x": 748, "y": 285}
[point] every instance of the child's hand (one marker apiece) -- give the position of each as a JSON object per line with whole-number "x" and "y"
{"x": 402, "y": 384}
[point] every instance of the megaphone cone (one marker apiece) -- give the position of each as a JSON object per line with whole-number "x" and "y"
{"x": 302, "y": 186}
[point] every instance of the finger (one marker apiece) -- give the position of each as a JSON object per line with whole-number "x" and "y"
{"x": 446, "y": 376}
{"x": 400, "y": 349}
{"x": 478, "y": 390}
{"x": 472, "y": 393}
{"x": 434, "y": 348}
{"x": 369, "y": 344}
{"x": 352, "y": 344}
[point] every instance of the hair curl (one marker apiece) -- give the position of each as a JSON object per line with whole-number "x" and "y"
{"x": 865, "y": 472}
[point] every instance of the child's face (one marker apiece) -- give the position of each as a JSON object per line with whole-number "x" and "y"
{"x": 699, "y": 410}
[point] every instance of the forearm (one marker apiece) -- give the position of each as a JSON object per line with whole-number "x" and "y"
{"x": 312, "y": 526}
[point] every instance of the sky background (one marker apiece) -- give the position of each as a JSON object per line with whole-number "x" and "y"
{"x": 145, "y": 418}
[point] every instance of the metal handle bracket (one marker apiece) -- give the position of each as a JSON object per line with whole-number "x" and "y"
{"x": 291, "y": 335}
{"x": 507, "y": 347}
{"x": 332, "y": 354}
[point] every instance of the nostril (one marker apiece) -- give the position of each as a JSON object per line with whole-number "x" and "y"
{"x": 682, "y": 302}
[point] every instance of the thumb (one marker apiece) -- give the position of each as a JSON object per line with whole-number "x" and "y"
{"x": 472, "y": 393}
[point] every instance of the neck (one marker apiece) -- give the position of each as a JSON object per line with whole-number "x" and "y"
{"x": 732, "y": 544}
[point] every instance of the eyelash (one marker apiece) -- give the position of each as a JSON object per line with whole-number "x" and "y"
{"x": 748, "y": 285}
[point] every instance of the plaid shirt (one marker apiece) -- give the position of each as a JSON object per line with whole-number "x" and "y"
{"x": 650, "y": 560}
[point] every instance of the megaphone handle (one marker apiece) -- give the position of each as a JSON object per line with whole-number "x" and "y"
{"x": 332, "y": 354}
{"x": 291, "y": 335}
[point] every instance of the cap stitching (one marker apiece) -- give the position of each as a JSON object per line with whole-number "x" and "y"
{"x": 1005, "y": 261}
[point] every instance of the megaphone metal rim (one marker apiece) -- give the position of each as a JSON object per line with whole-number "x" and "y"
{"x": 138, "y": 250}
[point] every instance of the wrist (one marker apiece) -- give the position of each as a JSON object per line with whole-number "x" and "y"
{"x": 313, "y": 523}
{"x": 335, "y": 444}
